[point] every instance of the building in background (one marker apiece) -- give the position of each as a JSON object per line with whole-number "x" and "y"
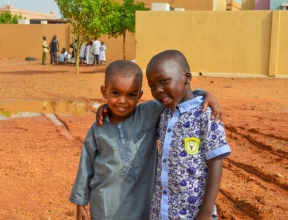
{"x": 192, "y": 5}
{"x": 264, "y": 4}
{"x": 28, "y": 14}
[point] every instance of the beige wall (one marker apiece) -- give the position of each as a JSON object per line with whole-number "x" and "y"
{"x": 282, "y": 61}
{"x": 216, "y": 42}
{"x": 20, "y": 41}
{"x": 248, "y": 5}
{"x": 187, "y": 4}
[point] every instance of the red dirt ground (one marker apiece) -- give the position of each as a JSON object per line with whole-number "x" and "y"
{"x": 38, "y": 163}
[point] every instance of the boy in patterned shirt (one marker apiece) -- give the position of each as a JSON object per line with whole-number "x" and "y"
{"x": 192, "y": 145}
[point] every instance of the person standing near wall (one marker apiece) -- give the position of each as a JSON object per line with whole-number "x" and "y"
{"x": 54, "y": 48}
{"x": 45, "y": 50}
{"x": 102, "y": 53}
{"x": 96, "y": 45}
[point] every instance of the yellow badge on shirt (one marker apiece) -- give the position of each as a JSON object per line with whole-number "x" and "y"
{"x": 192, "y": 145}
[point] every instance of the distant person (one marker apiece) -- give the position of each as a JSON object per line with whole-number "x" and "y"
{"x": 192, "y": 145}
{"x": 96, "y": 45}
{"x": 102, "y": 53}
{"x": 73, "y": 46}
{"x": 62, "y": 59}
{"x": 54, "y": 49}
{"x": 45, "y": 50}
{"x": 89, "y": 52}
{"x": 116, "y": 172}
{"x": 82, "y": 54}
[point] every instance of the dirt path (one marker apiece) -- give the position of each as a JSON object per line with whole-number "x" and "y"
{"x": 39, "y": 162}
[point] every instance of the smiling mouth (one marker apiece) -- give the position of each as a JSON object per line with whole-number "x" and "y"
{"x": 165, "y": 99}
{"x": 121, "y": 109}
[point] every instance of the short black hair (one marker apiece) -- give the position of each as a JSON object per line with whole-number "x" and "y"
{"x": 173, "y": 57}
{"x": 123, "y": 68}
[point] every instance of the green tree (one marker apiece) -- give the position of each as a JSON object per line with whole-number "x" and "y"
{"x": 126, "y": 21}
{"x": 8, "y": 18}
{"x": 88, "y": 18}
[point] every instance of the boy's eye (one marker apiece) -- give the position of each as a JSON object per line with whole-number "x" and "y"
{"x": 132, "y": 95}
{"x": 115, "y": 93}
{"x": 163, "y": 81}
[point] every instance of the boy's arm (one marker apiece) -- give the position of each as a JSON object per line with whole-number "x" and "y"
{"x": 212, "y": 102}
{"x": 81, "y": 189}
{"x": 212, "y": 186}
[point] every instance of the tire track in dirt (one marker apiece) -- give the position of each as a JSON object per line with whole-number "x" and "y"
{"x": 227, "y": 208}
{"x": 259, "y": 161}
{"x": 272, "y": 177}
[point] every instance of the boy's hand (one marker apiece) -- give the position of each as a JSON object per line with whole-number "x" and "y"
{"x": 211, "y": 101}
{"x": 203, "y": 216}
{"x": 102, "y": 112}
{"x": 82, "y": 213}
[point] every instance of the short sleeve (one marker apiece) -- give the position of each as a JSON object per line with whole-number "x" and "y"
{"x": 213, "y": 137}
{"x": 198, "y": 92}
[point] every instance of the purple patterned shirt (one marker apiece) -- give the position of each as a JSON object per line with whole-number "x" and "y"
{"x": 188, "y": 139}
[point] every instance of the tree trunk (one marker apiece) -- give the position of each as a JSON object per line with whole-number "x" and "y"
{"x": 78, "y": 47}
{"x": 124, "y": 36}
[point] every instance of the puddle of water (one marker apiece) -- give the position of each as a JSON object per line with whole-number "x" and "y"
{"x": 31, "y": 108}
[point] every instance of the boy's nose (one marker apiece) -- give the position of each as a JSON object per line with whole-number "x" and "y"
{"x": 159, "y": 89}
{"x": 122, "y": 99}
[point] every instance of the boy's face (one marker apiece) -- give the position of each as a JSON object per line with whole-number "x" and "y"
{"x": 122, "y": 96}
{"x": 168, "y": 83}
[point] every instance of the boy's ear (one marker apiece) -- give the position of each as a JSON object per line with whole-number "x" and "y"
{"x": 103, "y": 91}
{"x": 140, "y": 95}
{"x": 188, "y": 77}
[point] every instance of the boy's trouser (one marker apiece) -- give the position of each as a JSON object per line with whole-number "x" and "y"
{"x": 53, "y": 57}
{"x": 44, "y": 57}
{"x": 96, "y": 58}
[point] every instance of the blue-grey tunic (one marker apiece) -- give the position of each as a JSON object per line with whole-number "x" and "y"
{"x": 118, "y": 166}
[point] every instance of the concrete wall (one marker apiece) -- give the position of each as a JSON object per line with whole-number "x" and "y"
{"x": 243, "y": 42}
{"x": 262, "y": 4}
{"x": 282, "y": 45}
{"x": 248, "y": 5}
{"x": 187, "y": 4}
{"x": 20, "y": 41}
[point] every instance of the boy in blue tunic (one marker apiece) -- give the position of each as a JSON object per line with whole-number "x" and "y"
{"x": 117, "y": 167}
{"x": 191, "y": 144}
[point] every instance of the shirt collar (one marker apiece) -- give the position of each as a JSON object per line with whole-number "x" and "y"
{"x": 190, "y": 104}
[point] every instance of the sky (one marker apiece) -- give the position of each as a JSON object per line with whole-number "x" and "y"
{"x": 34, "y": 5}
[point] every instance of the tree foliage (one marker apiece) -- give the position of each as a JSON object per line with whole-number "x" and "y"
{"x": 88, "y": 18}
{"x": 126, "y": 20}
{"x": 8, "y": 18}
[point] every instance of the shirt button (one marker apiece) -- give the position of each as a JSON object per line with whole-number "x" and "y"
{"x": 164, "y": 160}
{"x": 121, "y": 135}
{"x": 169, "y": 130}
{"x": 119, "y": 126}
{"x": 164, "y": 192}
{"x": 139, "y": 136}
{"x": 177, "y": 107}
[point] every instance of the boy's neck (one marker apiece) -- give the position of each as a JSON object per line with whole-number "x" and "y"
{"x": 113, "y": 119}
{"x": 188, "y": 96}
